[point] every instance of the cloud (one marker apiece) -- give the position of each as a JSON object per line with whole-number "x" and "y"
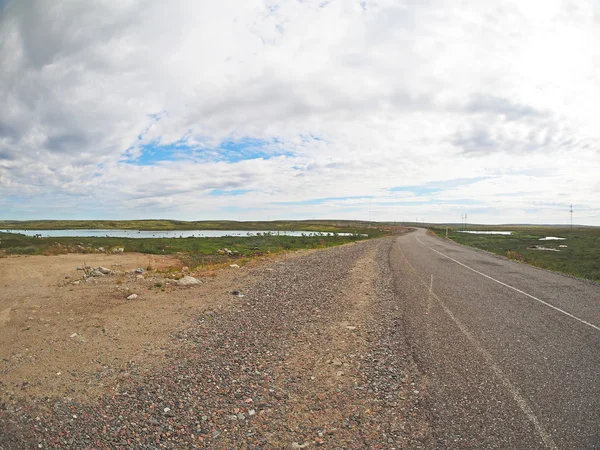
{"x": 268, "y": 108}
{"x": 489, "y": 104}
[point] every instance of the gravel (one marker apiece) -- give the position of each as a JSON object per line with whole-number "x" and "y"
{"x": 261, "y": 373}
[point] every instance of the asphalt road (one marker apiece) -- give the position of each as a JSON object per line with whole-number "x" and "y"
{"x": 511, "y": 353}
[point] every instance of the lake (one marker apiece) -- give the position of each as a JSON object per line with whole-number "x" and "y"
{"x": 141, "y": 234}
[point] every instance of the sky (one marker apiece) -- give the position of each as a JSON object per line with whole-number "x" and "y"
{"x": 390, "y": 110}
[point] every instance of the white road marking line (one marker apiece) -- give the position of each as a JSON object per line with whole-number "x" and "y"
{"x": 513, "y": 390}
{"x": 429, "y": 302}
{"x": 513, "y": 288}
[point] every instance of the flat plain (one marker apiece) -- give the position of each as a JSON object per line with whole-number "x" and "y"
{"x": 577, "y": 253}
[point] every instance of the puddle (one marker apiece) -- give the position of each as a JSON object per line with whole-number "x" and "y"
{"x": 501, "y": 233}
{"x": 551, "y": 238}
{"x": 539, "y": 247}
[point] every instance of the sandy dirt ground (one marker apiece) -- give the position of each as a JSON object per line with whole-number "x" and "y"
{"x": 78, "y": 340}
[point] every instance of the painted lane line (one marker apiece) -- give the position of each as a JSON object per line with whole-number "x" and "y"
{"x": 513, "y": 288}
{"x": 511, "y": 388}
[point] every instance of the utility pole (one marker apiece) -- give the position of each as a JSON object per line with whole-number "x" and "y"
{"x": 571, "y": 218}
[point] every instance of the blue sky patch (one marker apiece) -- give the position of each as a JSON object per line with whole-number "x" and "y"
{"x": 231, "y": 192}
{"x": 318, "y": 201}
{"x": 437, "y": 186}
{"x": 458, "y": 202}
{"x": 154, "y": 153}
{"x": 231, "y": 151}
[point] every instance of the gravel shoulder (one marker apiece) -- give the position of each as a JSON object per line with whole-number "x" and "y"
{"x": 312, "y": 354}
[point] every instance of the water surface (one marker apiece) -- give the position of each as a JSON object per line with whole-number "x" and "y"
{"x": 502, "y": 233}
{"x": 140, "y": 234}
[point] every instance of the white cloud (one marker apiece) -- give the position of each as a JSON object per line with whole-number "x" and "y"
{"x": 339, "y": 99}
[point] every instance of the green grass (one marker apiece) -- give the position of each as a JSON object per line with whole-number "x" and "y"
{"x": 580, "y": 258}
{"x": 192, "y": 251}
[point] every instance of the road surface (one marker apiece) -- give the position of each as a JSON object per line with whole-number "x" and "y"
{"x": 511, "y": 353}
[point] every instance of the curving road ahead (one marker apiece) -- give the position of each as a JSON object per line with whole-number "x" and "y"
{"x": 511, "y": 353}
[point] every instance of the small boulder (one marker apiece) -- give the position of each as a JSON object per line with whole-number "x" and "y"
{"x": 139, "y": 270}
{"x": 188, "y": 281}
{"x": 234, "y": 266}
{"x": 132, "y": 297}
{"x": 104, "y": 270}
{"x": 96, "y": 273}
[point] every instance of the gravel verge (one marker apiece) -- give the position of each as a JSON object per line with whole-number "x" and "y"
{"x": 312, "y": 355}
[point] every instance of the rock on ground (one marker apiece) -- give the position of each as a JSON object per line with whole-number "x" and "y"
{"x": 188, "y": 281}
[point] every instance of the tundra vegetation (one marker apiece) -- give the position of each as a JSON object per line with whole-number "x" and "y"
{"x": 578, "y": 254}
{"x": 193, "y": 251}
{"x": 167, "y": 225}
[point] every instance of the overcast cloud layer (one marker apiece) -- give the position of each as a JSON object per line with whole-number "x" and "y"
{"x": 374, "y": 109}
